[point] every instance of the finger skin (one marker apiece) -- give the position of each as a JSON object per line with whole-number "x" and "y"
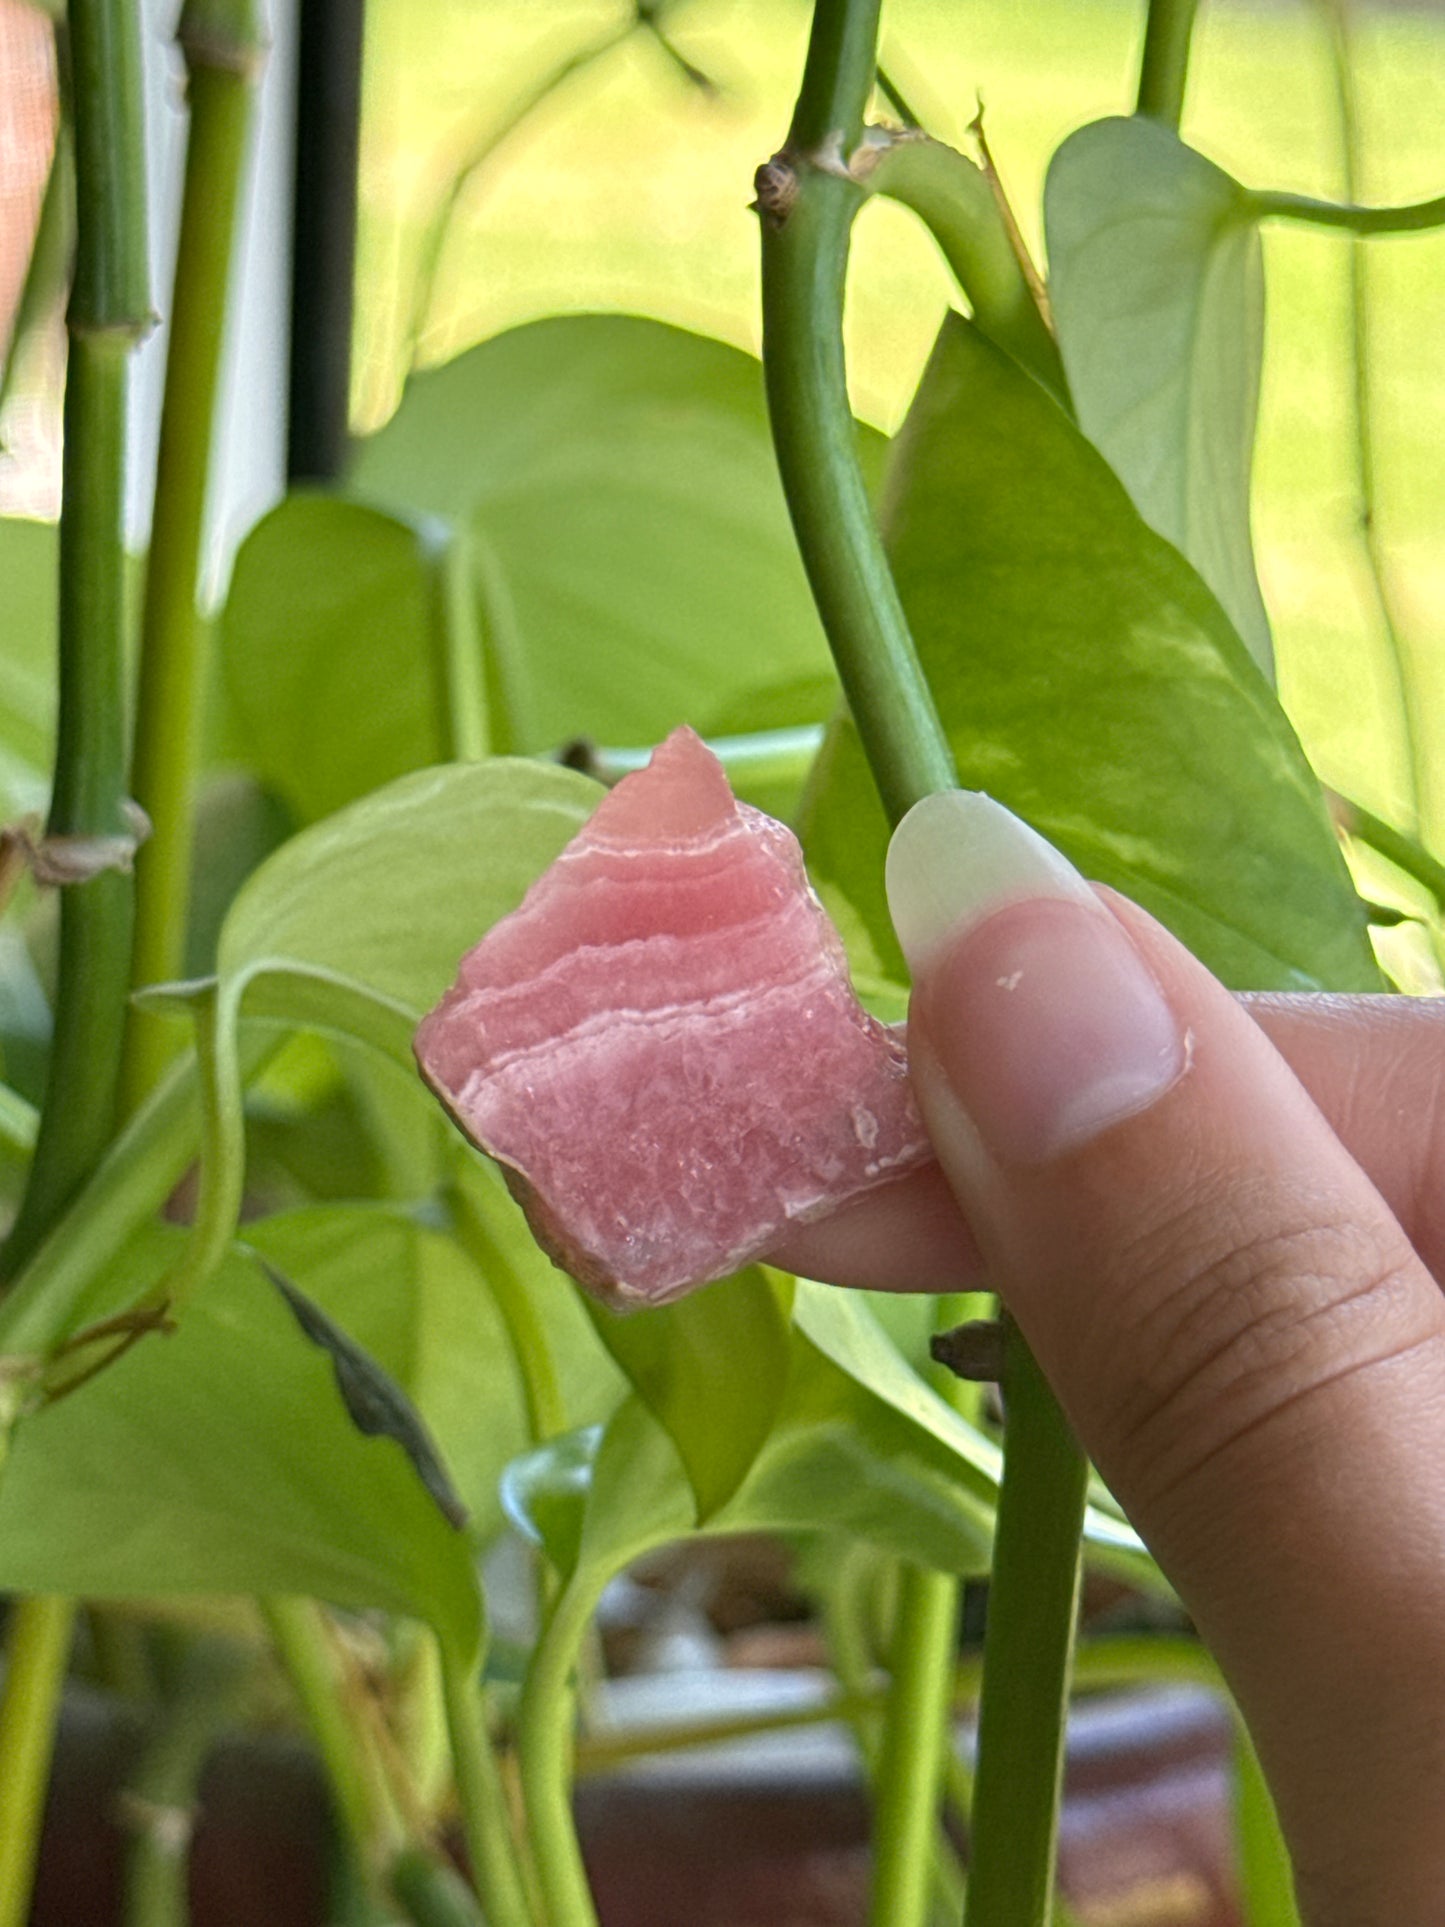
{"x": 1254, "y": 1355}
{"x": 1375, "y": 1066}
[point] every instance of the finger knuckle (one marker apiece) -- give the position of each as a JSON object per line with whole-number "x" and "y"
{"x": 1243, "y": 1311}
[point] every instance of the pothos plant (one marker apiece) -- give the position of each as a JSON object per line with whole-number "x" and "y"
{"x": 270, "y": 845}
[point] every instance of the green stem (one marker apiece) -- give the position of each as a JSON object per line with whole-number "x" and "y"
{"x": 109, "y": 311}
{"x": 766, "y": 756}
{"x": 927, "y": 1874}
{"x": 78, "y": 1113}
{"x": 214, "y": 1009}
{"x": 49, "y": 258}
{"x": 1265, "y": 1874}
{"x": 367, "y": 1814}
{"x": 482, "y": 1797}
{"x": 1164, "y": 64}
{"x": 163, "y": 1789}
{"x": 896, "y": 100}
{"x": 1405, "y": 852}
{"x": 917, "y": 1727}
{"x": 544, "y": 1745}
{"x": 804, "y": 262}
{"x": 1415, "y": 217}
{"x": 461, "y": 677}
{"x": 605, "y": 1752}
{"x": 121, "y": 1656}
{"x": 909, "y": 1781}
{"x": 839, "y": 73}
{"x": 808, "y": 209}
{"x": 1032, "y": 1610}
{"x": 433, "y": 1894}
{"x": 1120, "y": 1659}
{"x": 526, "y": 1330}
{"x": 223, "y": 43}
{"x": 110, "y": 292}
{"x": 19, "y": 1122}
{"x": 387, "y": 1848}
{"x": 952, "y": 197}
{"x": 134, "y": 1179}
{"x": 850, "y": 1653}
{"x": 39, "y": 1646}
{"x": 959, "y": 1789}
{"x": 1377, "y": 570}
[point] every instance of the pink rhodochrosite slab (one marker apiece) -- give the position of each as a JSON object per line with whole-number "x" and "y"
{"x": 662, "y": 1047}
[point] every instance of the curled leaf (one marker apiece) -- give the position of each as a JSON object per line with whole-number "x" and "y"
{"x": 375, "y": 1403}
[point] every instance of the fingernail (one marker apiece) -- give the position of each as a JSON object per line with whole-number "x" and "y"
{"x": 1043, "y": 1019}
{"x": 957, "y": 857}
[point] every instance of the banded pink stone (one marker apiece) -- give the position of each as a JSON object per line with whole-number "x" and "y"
{"x": 662, "y": 1047}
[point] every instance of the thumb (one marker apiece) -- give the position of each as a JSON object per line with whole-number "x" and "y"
{"x": 1243, "y": 1337}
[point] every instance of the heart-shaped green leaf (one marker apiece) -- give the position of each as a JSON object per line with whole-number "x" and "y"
{"x": 375, "y": 1403}
{"x": 712, "y": 1368}
{"x": 1088, "y": 679}
{"x": 865, "y": 1446}
{"x": 222, "y": 1460}
{"x": 841, "y": 1459}
{"x": 633, "y": 560}
{"x": 545, "y": 1492}
{"x": 406, "y": 1292}
{"x": 332, "y": 653}
{"x": 359, "y": 923}
{"x": 1156, "y": 276}
{"x": 859, "y": 1445}
{"x": 354, "y": 927}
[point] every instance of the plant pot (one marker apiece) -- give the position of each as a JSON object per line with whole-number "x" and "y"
{"x": 767, "y": 1832}
{"x": 260, "y": 1853}
{"x": 773, "y": 1832}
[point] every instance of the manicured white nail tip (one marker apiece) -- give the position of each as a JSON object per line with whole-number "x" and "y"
{"x": 956, "y": 858}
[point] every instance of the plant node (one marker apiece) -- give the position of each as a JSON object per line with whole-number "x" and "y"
{"x": 776, "y": 186}
{"x": 974, "y": 1351}
{"x": 55, "y": 860}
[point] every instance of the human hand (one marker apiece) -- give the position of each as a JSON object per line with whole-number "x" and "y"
{"x": 1216, "y": 1221}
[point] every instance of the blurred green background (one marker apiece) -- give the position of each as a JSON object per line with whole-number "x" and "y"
{"x": 628, "y": 189}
